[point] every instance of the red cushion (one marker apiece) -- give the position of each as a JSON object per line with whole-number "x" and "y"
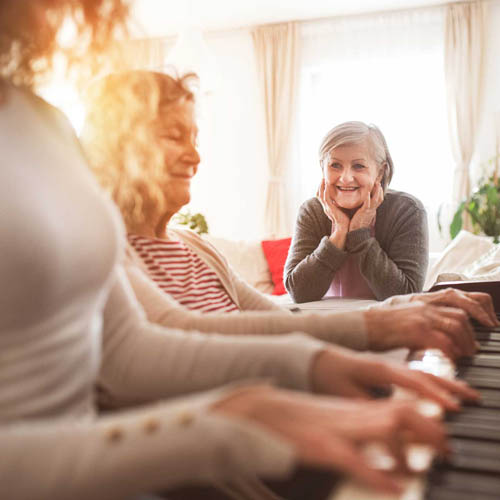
{"x": 276, "y": 252}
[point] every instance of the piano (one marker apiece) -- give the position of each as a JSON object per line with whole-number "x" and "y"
{"x": 472, "y": 471}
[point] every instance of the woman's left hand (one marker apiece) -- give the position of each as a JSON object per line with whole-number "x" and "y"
{"x": 477, "y": 305}
{"x": 340, "y": 372}
{"x": 365, "y": 214}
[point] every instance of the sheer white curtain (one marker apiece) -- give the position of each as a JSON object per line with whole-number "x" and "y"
{"x": 464, "y": 49}
{"x": 148, "y": 53}
{"x": 385, "y": 69}
{"x": 276, "y": 49}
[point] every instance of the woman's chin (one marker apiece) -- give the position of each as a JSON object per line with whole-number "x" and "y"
{"x": 179, "y": 199}
{"x": 348, "y": 204}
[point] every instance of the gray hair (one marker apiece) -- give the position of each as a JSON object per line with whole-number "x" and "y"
{"x": 349, "y": 133}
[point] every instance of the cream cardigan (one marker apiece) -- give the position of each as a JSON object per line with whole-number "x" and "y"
{"x": 259, "y": 314}
{"x": 69, "y": 320}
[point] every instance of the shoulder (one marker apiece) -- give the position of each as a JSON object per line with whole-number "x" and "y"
{"x": 53, "y": 118}
{"x": 190, "y": 237}
{"x": 311, "y": 209}
{"x": 312, "y": 204}
{"x": 199, "y": 245}
{"x": 312, "y": 218}
{"x": 401, "y": 201}
{"x": 50, "y": 112}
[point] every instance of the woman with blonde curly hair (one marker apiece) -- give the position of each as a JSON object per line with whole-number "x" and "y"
{"x": 69, "y": 323}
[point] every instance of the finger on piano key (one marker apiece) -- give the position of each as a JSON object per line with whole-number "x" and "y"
{"x": 413, "y": 489}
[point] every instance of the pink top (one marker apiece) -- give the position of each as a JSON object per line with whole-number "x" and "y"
{"x": 348, "y": 280}
{"x": 181, "y": 273}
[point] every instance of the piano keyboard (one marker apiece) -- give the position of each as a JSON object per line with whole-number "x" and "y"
{"x": 472, "y": 471}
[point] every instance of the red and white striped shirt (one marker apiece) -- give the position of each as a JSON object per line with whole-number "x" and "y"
{"x": 178, "y": 271}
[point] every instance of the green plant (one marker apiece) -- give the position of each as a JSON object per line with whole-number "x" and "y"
{"x": 483, "y": 206}
{"x": 196, "y": 222}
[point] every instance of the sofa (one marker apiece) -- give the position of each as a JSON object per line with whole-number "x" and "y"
{"x": 467, "y": 257}
{"x": 247, "y": 259}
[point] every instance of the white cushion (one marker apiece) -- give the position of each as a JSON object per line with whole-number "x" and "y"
{"x": 467, "y": 257}
{"x": 247, "y": 259}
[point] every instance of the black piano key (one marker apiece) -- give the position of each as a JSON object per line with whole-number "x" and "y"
{"x": 477, "y": 431}
{"x": 488, "y": 340}
{"x": 487, "y": 360}
{"x": 482, "y": 382}
{"x": 483, "y": 328}
{"x": 489, "y": 346}
{"x": 464, "y": 482}
{"x": 474, "y": 413}
{"x": 438, "y": 493}
{"x": 473, "y": 430}
{"x": 478, "y": 371}
{"x": 490, "y": 398}
{"x": 487, "y": 334}
{"x": 472, "y": 455}
{"x": 480, "y": 376}
{"x": 475, "y": 422}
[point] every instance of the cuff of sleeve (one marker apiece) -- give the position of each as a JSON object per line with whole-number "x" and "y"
{"x": 300, "y": 354}
{"x": 185, "y": 435}
{"x": 329, "y": 255}
{"x": 396, "y": 300}
{"x": 285, "y": 358}
{"x": 356, "y": 238}
{"x": 353, "y": 326}
{"x": 242, "y": 448}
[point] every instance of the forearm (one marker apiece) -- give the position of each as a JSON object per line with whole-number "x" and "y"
{"x": 251, "y": 299}
{"x": 310, "y": 278}
{"x": 386, "y": 275}
{"x": 144, "y": 362}
{"x": 152, "y": 449}
{"x": 344, "y": 328}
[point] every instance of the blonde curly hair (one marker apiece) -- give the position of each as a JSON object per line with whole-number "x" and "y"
{"x": 121, "y": 141}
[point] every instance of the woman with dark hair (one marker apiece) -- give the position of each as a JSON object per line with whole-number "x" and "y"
{"x": 69, "y": 322}
{"x": 356, "y": 238}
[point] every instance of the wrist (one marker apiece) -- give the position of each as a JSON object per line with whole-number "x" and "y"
{"x": 355, "y": 225}
{"x": 242, "y": 402}
{"x": 338, "y": 237}
{"x": 377, "y": 328}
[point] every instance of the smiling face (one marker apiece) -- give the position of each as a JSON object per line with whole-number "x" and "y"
{"x": 177, "y": 134}
{"x": 350, "y": 173}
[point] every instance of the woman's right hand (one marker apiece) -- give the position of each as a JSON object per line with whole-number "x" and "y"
{"x": 340, "y": 220}
{"x": 420, "y": 326}
{"x": 331, "y": 432}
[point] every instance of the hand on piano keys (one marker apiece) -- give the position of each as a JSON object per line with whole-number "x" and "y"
{"x": 472, "y": 470}
{"x": 437, "y": 320}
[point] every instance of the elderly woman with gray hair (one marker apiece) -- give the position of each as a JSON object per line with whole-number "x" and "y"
{"x": 356, "y": 238}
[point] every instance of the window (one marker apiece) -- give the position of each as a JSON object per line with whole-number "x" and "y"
{"x": 377, "y": 72}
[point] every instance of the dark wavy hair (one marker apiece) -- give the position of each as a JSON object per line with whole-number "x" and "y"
{"x": 29, "y": 29}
